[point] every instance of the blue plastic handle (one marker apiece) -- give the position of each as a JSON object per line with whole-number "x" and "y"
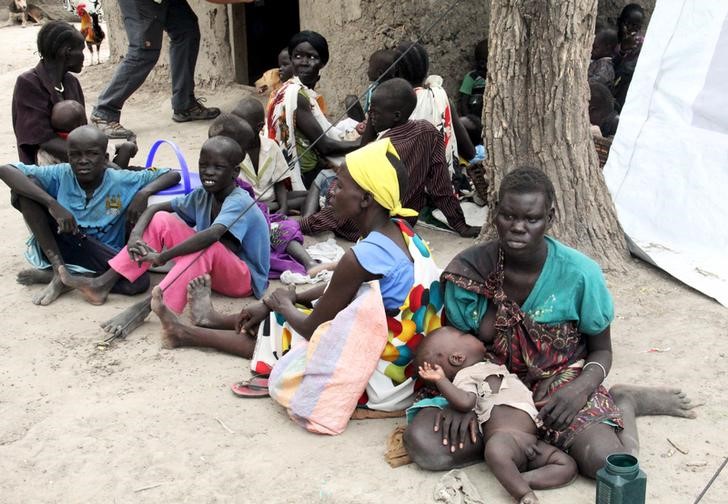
{"x": 180, "y": 159}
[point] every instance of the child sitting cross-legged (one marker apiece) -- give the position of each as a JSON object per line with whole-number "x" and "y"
{"x": 229, "y": 241}
{"x": 454, "y": 362}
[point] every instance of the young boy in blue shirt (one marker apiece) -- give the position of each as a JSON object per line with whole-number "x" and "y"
{"x": 230, "y": 242}
{"x": 78, "y": 211}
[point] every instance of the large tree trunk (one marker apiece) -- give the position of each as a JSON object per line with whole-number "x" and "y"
{"x": 535, "y": 113}
{"x": 116, "y": 36}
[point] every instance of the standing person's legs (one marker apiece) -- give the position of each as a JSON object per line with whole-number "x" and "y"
{"x": 184, "y": 45}
{"x": 144, "y": 26}
{"x": 184, "y": 36}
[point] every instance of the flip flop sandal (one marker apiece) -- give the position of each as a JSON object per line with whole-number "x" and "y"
{"x": 254, "y": 388}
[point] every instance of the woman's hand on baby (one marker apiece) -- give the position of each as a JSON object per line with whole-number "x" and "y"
{"x": 281, "y": 298}
{"x": 456, "y": 427}
{"x": 249, "y": 318}
{"x": 563, "y": 406}
{"x": 430, "y": 372}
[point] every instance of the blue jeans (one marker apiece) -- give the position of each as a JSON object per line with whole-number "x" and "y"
{"x": 145, "y": 22}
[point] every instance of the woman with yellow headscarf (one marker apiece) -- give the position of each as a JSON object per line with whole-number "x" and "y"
{"x": 350, "y": 342}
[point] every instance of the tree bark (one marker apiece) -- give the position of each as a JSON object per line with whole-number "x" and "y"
{"x": 116, "y": 35}
{"x": 535, "y": 113}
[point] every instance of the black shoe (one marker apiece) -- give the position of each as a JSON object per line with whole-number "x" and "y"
{"x": 197, "y": 112}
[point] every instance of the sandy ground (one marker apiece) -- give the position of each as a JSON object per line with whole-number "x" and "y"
{"x": 136, "y": 423}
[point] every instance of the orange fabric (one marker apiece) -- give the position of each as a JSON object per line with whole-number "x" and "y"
{"x": 322, "y": 104}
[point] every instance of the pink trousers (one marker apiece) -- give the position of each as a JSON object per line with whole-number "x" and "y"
{"x": 230, "y": 275}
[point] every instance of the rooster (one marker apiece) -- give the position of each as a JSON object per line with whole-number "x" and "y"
{"x": 91, "y": 30}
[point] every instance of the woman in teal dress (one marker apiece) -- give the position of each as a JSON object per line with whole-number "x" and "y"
{"x": 542, "y": 309}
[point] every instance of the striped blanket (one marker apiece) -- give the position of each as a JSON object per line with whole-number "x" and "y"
{"x": 320, "y": 381}
{"x": 360, "y": 358}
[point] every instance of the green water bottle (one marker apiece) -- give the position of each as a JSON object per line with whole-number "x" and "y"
{"x": 621, "y": 481}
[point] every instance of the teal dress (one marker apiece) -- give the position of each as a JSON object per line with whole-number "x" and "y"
{"x": 571, "y": 287}
{"x": 542, "y": 341}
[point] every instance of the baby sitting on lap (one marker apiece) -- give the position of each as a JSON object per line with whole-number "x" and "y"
{"x": 66, "y": 116}
{"x": 454, "y": 362}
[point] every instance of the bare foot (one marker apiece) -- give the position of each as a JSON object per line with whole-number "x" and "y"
{"x": 529, "y": 498}
{"x": 93, "y": 290}
{"x": 124, "y": 323}
{"x": 198, "y": 296}
{"x": 654, "y": 400}
{"x": 170, "y": 322}
{"x": 52, "y": 291}
{"x": 34, "y": 276}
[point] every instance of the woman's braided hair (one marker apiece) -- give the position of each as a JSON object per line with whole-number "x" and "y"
{"x": 528, "y": 179}
{"x": 53, "y": 36}
{"x": 415, "y": 64}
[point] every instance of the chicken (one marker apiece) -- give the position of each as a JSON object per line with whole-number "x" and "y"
{"x": 91, "y": 30}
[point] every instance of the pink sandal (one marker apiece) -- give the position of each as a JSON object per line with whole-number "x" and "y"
{"x": 254, "y": 388}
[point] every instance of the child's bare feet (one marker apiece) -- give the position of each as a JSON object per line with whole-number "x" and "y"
{"x": 33, "y": 276}
{"x": 124, "y": 323}
{"x": 94, "y": 290}
{"x": 52, "y": 291}
{"x": 170, "y": 322}
{"x": 529, "y": 498}
{"x": 654, "y": 400}
{"x": 198, "y": 297}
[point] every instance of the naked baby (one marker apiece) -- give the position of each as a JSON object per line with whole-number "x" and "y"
{"x": 453, "y": 361}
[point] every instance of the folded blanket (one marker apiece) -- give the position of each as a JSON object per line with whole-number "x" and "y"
{"x": 320, "y": 381}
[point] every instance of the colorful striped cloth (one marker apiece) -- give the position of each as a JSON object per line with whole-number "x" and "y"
{"x": 319, "y": 382}
{"x": 360, "y": 358}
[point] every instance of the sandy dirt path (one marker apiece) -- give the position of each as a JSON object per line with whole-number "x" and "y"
{"x": 136, "y": 423}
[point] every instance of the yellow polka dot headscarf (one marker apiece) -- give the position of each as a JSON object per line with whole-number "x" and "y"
{"x": 372, "y": 170}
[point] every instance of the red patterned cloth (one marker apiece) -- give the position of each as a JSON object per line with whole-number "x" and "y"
{"x": 544, "y": 356}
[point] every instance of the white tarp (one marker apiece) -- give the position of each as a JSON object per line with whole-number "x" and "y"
{"x": 668, "y": 165}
